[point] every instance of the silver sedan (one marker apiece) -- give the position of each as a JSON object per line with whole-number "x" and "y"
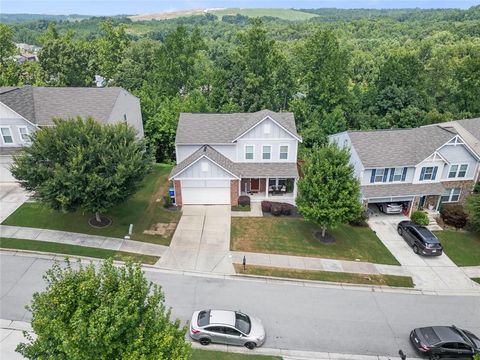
{"x": 226, "y": 327}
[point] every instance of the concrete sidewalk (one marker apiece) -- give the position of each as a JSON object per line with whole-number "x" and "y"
{"x": 71, "y": 238}
{"x": 316, "y": 264}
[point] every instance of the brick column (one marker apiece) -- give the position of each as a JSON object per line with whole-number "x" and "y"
{"x": 234, "y": 192}
{"x": 178, "y": 192}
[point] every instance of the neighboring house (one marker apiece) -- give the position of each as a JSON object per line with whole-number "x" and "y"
{"x": 222, "y": 156}
{"x": 421, "y": 167}
{"x": 23, "y": 110}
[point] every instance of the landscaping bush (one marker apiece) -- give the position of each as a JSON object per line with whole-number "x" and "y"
{"x": 276, "y": 209}
{"x": 361, "y": 220}
{"x": 167, "y": 202}
{"x": 266, "y": 206}
{"x": 420, "y": 218}
{"x": 454, "y": 215}
{"x": 287, "y": 209}
{"x": 244, "y": 200}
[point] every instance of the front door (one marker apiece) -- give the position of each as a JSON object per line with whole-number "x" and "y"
{"x": 421, "y": 204}
{"x": 255, "y": 185}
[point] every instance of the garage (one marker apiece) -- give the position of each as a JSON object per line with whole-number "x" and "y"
{"x": 379, "y": 205}
{"x": 205, "y": 192}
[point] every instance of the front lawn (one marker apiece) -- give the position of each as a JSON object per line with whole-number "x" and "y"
{"x": 293, "y": 236}
{"x": 142, "y": 210}
{"x": 461, "y": 246}
{"x": 341, "y": 277}
{"x": 220, "y": 355}
{"x": 75, "y": 250}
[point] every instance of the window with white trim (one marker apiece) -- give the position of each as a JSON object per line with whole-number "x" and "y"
{"x": 397, "y": 174}
{"x": 379, "y": 175}
{"x": 458, "y": 171}
{"x": 266, "y": 152}
{"x": 23, "y": 131}
{"x": 451, "y": 195}
{"x": 248, "y": 152}
{"x": 428, "y": 173}
{"x": 6, "y": 135}
{"x": 283, "y": 152}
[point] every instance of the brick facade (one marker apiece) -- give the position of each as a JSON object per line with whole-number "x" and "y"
{"x": 234, "y": 192}
{"x": 465, "y": 185}
{"x": 178, "y": 192}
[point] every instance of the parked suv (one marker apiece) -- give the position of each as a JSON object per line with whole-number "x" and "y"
{"x": 420, "y": 238}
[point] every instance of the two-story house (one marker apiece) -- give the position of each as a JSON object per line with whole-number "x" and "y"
{"x": 25, "y": 109}
{"x": 222, "y": 156}
{"x": 420, "y": 167}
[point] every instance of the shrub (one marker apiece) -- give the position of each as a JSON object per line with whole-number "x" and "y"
{"x": 420, "y": 218}
{"x": 476, "y": 188}
{"x": 454, "y": 215}
{"x": 167, "y": 202}
{"x": 361, "y": 220}
{"x": 287, "y": 209}
{"x": 266, "y": 206}
{"x": 276, "y": 209}
{"x": 244, "y": 200}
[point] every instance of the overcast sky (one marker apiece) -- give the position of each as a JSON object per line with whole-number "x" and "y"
{"x": 115, "y": 7}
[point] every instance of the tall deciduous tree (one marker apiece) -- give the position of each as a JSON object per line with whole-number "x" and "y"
{"x": 7, "y": 46}
{"x": 81, "y": 164}
{"x": 472, "y": 206}
{"x": 329, "y": 193}
{"x": 102, "y": 313}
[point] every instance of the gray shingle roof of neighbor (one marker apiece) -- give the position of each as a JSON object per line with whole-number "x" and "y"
{"x": 40, "y": 105}
{"x": 224, "y": 128}
{"x": 472, "y": 126}
{"x": 398, "y": 147}
{"x": 238, "y": 169}
{"x": 383, "y": 191}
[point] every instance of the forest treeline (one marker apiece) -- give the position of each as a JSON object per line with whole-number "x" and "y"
{"x": 344, "y": 69}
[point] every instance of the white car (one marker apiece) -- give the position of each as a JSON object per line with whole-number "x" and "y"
{"x": 390, "y": 208}
{"x": 226, "y": 327}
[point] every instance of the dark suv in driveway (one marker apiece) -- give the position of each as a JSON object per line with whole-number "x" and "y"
{"x": 420, "y": 238}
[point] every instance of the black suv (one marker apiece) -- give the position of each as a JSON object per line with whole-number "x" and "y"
{"x": 445, "y": 341}
{"x": 420, "y": 238}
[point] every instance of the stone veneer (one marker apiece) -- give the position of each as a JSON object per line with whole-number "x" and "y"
{"x": 234, "y": 192}
{"x": 178, "y": 192}
{"x": 465, "y": 185}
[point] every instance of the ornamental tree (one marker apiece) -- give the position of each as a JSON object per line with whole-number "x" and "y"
{"x": 82, "y": 164}
{"x": 472, "y": 206}
{"x": 104, "y": 312}
{"x": 329, "y": 193}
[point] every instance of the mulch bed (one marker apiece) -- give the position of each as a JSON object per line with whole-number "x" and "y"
{"x": 328, "y": 239}
{"x": 104, "y": 222}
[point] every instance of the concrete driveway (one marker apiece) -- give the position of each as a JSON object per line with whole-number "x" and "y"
{"x": 201, "y": 241}
{"x": 11, "y": 197}
{"x": 437, "y": 273}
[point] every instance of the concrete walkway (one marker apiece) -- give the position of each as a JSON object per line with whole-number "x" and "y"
{"x": 317, "y": 264}
{"x": 71, "y": 238}
{"x": 201, "y": 241}
{"x": 12, "y": 196}
{"x": 437, "y": 273}
{"x": 255, "y": 211}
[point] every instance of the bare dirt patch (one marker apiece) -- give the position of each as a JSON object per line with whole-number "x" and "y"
{"x": 161, "y": 229}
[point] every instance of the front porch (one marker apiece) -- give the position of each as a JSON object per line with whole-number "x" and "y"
{"x": 269, "y": 188}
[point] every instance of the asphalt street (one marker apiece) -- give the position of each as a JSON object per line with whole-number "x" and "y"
{"x": 296, "y": 317}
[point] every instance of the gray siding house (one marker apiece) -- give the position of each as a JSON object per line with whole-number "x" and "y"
{"x": 222, "y": 156}
{"x": 23, "y": 110}
{"x": 421, "y": 167}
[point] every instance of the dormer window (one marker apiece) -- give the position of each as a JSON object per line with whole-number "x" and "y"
{"x": 266, "y": 128}
{"x": 204, "y": 166}
{"x": 428, "y": 173}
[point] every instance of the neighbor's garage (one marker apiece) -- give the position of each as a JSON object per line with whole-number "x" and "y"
{"x": 205, "y": 192}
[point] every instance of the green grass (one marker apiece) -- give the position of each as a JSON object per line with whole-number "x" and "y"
{"x": 141, "y": 209}
{"x": 460, "y": 246}
{"x": 75, "y": 250}
{"x": 220, "y": 355}
{"x": 341, "y": 277}
{"x": 477, "y": 280}
{"x": 284, "y": 14}
{"x": 241, "y": 208}
{"x": 293, "y": 236}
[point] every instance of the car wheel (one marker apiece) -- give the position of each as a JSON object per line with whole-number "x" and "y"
{"x": 380, "y": 208}
{"x": 250, "y": 345}
{"x": 400, "y": 231}
{"x": 434, "y": 357}
{"x": 415, "y": 250}
{"x": 205, "y": 341}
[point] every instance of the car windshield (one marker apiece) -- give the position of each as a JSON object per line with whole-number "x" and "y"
{"x": 427, "y": 235}
{"x": 242, "y": 323}
{"x": 203, "y": 318}
{"x": 469, "y": 337}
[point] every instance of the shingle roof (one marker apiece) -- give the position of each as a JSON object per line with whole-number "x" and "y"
{"x": 398, "y": 147}
{"x": 238, "y": 169}
{"x": 380, "y": 191}
{"x": 472, "y": 126}
{"x": 224, "y": 128}
{"x": 40, "y": 105}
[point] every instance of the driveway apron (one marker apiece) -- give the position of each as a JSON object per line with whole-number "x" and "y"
{"x": 201, "y": 241}
{"x": 12, "y": 196}
{"x": 438, "y": 273}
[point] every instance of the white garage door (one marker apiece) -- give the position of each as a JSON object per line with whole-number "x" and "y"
{"x": 205, "y": 192}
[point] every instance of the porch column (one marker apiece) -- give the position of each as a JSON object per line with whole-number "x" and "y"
{"x": 438, "y": 202}
{"x": 295, "y": 188}
{"x": 266, "y": 188}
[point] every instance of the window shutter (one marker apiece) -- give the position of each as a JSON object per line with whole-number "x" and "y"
{"x": 385, "y": 175}
{"x": 422, "y": 174}
{"x": 372, "y": 178}
{"x": 404, "y": 174}
{"x": 392, "y": 172}
{"x": 434, "y": 175}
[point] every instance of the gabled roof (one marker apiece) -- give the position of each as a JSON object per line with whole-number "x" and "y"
{"x": 472, "y": 126}
{"x": 398, "y": 147}
{"x": 225, "y": 128}
{"x": 238, "y": 170}
{"x": 40, "y": 105}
